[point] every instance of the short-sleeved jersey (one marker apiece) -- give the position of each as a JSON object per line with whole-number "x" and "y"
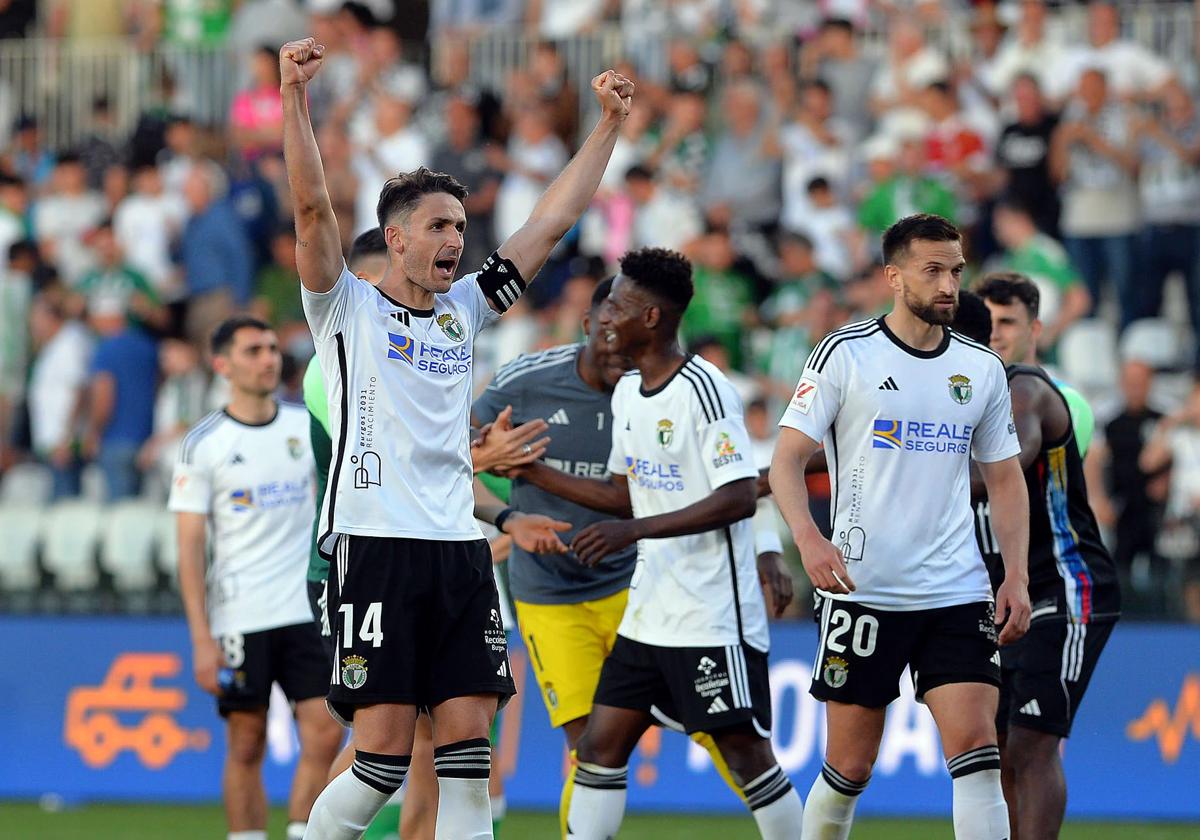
{"x": 899, "y": 427}
{"x": 255, "y": 485}
{"x": 547, "y": 386}
{"x": 399, "y": 387}
{"x": 675, "y": 445}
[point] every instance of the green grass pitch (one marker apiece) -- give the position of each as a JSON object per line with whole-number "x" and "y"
{"x": 19, "y": 821}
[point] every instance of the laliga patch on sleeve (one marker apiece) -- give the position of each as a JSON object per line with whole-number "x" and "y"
{"x": 806, "y": 392}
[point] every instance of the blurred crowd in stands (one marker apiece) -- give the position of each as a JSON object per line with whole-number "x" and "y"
{"x": 771, "y": 144}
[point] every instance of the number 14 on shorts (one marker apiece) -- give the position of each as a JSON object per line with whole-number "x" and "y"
{"x": 372, "y": 624}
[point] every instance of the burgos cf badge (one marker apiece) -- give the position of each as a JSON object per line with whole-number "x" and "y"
{"x": 450, "y": 326}
{"x": 354, "y": 671}
{"x": 666, "y": 433}
{"x": 835, "y": 671}
{"x": 960, "y": 389}
{"x": 294, "y": 449}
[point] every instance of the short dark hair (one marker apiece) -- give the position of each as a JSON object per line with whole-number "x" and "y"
{"x": 818, "y": 84}
{"x": 927, "y": 226}
{"x": 369, "y": 243}
{"x": 838, "y": 23}
{"x": 665, "y": 274}
{"x": 401, "y": 194}
{"x": 973, "y": 319}
{"x": 23, "y": 248}
{"x": 222, "y": 336}
{"x": 639, "y": 171}
{"x": 1003, "y": 287}
{"x": 792, "y": 237}
{"x": 600, "y": 292}
{"x": 1015, "y": 204}
{"x": 818, "y": 183}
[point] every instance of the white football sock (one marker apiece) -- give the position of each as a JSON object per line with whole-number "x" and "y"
{"x": 464, "y": 806}
{"x": 348, "y": 804}
{"x": 295, "y": 830}
{"x": 775, "y": 805}
{"x": 979, "y": 809}
{"x": 597, "y": 802}
{"x": 829, "y": 809}
{"x": 253, "y": 834}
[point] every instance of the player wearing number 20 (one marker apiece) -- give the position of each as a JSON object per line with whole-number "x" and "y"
{"x": 902, "y": 403}
{"x": 247, "y": 471}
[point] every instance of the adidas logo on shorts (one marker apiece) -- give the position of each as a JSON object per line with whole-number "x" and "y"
{"x": 717, "y": 706}
{"x": 1032, "y": 709}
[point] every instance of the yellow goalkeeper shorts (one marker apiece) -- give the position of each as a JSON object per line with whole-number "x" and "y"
{"x": 568, "y": 644}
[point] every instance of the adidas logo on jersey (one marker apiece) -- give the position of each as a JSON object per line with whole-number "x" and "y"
{"x": 889, "y": 384}
{"x": 237, "y": 459}
{"x": 560, "y": 418}
{"x": 1032, "y": 709}
{"x": 717, "y": 706}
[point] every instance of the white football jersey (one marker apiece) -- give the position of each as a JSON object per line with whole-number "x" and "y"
{"x": 256, "y": 485}
{"x": 676, "y": 445}
{"x": 900, "y": 427}
{"x": 399, "y": 389}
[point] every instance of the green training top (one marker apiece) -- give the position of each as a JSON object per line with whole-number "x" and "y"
{"x": 322, "y": 447}
{"x": 1082, "y": 418}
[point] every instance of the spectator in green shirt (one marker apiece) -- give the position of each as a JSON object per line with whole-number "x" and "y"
{"x": 901, "y": 186}
{"x": 1028, "y": 251}
{"x": 724, "y": 298}
{"x": 115, "y": 287}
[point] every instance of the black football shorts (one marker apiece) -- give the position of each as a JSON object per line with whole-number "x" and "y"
{"x": 415, "y": 622}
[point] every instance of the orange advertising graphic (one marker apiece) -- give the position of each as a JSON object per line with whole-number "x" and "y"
{"x": 92, "y": 726}
{"x": 1170, "y": 726}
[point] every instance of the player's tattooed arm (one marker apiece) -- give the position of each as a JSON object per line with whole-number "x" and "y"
{"x": 318, "y": 242}
{"x": 569, "y": 195}
{"x": 776, "y": 580}
{"x": 727, "y": 504}
{"x": 823, "y": 561}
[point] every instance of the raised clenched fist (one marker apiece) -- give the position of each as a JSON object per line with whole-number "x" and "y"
{"x": 299, "y": 61}
{"x": 614, "y": 92}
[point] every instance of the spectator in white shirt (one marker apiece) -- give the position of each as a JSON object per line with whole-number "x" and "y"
{"x": 535, "y": 157}
{"x": 1132, "y": 70}
{"x": 662, "y": 218}
{"x": 145, "y": 223}
{"x": 390, "y": 144}
{"x": 1028, "y": 49}
{"x": 61, "y": 219}
{"x": 911, "y": 67}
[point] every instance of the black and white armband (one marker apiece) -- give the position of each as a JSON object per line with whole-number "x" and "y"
{"x": 500, "y": 282}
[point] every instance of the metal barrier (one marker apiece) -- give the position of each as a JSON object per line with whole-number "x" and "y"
{"x": 58, "y": 81}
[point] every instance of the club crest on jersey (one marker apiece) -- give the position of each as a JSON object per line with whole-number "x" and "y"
{"x": 726, "y": 452}
{"x": 835, "y": 671}
{"x": 666, "y": 433}
{"x": 451, "y": 327}
{"x": 294, "y": 449}
{"x": 960, "y": 389}
{"x": 242, "y": 500}
{"x": 354, "y": 671}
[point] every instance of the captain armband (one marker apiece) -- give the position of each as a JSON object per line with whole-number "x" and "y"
{"x": 500, "y": 282}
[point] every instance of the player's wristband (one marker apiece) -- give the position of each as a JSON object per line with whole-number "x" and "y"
{"x": 500, "y": 282}
{"x": 502, "y": 517}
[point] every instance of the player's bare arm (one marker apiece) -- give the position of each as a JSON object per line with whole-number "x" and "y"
{"x": 192, "y": 531}
{"x": 727, "y": 504}
{"x": 500, "y": 446}
{"x": 318, "y": 243}
{"x": 531, "y": 531}
{"x": 610, "y": 495}
{"x": 1031, "y": 402}
{"x": 568, "y": 196}
{"x": 776, "y": 580}
{"x": 823, "y": 562}
{"x": 1009, "y": 502}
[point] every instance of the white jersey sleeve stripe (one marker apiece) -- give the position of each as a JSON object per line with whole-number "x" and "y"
{"x": 710, "y": 388}
{"x": 971, "y": 343}
{"x": 522, "y": 364}
{"x": 701, "y": 397}
{"x": 824, "y": 344}
{"x": 819, "y": 360}
{"x": 201, "y": 430}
